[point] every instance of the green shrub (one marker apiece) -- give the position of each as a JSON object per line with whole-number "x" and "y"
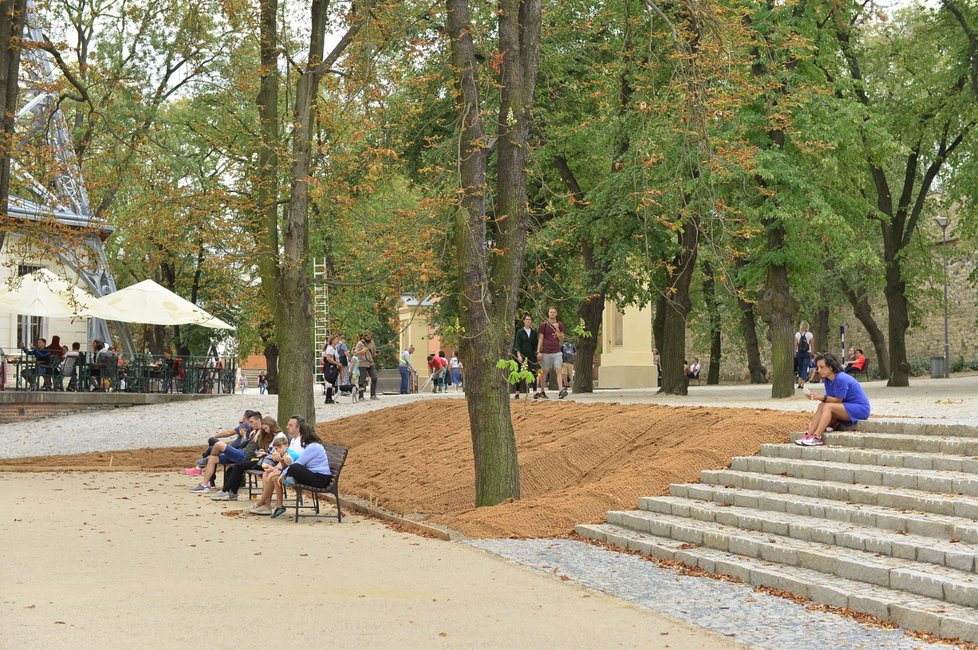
{"x": 958, "y": 364}
{"x": 919, "y": 366}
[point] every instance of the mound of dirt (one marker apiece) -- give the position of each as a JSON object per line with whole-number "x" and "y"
{"x": 577, "y": 461}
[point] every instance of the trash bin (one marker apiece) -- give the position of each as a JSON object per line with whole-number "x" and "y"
{"x": 938, "y": 368}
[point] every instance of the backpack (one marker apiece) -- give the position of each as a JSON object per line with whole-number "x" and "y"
{"x": 803, "y": 342}
{"x": 568, "y": 351}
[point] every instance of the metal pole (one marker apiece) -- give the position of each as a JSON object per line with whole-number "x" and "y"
{"x": 947, "y": 355}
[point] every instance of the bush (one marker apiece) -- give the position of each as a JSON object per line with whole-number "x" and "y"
{"x": 958, "y": 364}
{"x": 919, "y": 366}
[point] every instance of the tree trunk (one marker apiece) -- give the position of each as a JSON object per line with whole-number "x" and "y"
{"x": 591, "y": 311}
{"x": 12, "y": 17}
{"x": 822, "y": 330}
{"x": 659, "y": 323}
{"x": 778, "y": 309}
{"x": 271, "y": 373}
{"x": 678, "y": 305}
{"x": 294, "y": 326}
{"x": 713, "y": 312}
{"x": 266, "y": 186}
{"x": 864, "y": 314}
{"x": 488, "y": 288}
{"x": 895, "y": 291}
{"x": 748, "y": 327}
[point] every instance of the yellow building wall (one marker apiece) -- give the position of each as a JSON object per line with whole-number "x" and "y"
{"x": 415, "y": 330}
{"x": 626, "y": 348}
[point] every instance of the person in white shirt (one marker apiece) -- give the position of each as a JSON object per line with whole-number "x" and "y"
{"x": 455, "y": 367}
{"x": 331, "y": 368}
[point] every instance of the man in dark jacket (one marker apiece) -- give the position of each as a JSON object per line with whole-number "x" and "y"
{"x": 525, "y": 349}
{"x": 42, "y": 365}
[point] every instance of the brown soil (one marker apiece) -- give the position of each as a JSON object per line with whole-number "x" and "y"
{"x": 577, "y": 461}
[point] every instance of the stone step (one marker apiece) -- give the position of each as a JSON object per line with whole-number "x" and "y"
{"x": 850, "y": 473}
{"x": 956, "y": 445}
{"x": 905, "y": 459}
{"x": 952, "y": 505}
{"x": 918, "y": 428}
{"x": 932, "y": 581}
{"x": 938, "y": 526}
{"x": 907, "y": 610}
{"x": 920, "y": 548}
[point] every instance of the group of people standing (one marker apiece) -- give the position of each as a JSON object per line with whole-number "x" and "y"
{"x": 544, "y": 350}
{"x": 345, "y": 370}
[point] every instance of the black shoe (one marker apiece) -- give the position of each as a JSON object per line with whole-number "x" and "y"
{"x": 540, "y": 395}
{"x": 516, "y": 395}
{"x": 562, "y": 394}
{"x": 330, "y": 401}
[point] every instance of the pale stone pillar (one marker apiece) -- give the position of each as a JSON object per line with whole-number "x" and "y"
{"x": 626, "y": 348}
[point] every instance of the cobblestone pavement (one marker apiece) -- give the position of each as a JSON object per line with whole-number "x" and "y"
{"x": 753, "y": 618}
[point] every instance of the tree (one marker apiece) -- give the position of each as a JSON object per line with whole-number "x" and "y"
{"x": 12, "y": 17}
{"x": 913, "y": 124}
{"x": 489, "y": 274}
{"x": 285, "y": 274}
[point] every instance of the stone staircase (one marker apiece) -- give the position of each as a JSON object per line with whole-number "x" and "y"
{"x": 882, "y": 520}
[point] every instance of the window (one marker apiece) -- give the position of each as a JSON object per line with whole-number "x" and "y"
{"x": 618, "y": 327}
{"x": 29, "y": 328}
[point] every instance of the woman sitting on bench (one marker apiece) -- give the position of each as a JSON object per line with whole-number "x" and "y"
{"x": 310, "y": 468}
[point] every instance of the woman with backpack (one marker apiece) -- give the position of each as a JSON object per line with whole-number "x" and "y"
{"x": 804, "y": 344}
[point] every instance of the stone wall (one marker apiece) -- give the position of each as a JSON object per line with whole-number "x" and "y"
{"x": 925, "y": 337}
{"x": 13, "y": 412}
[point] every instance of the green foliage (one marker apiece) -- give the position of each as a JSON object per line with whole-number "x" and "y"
{"x": 515, "y": 372}
{"x": 580, "y": 331}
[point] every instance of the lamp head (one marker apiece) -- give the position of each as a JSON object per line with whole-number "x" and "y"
{"x": 942, "y": 222}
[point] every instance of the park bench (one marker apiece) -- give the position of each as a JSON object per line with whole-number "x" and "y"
{"x": 337, "y": 457}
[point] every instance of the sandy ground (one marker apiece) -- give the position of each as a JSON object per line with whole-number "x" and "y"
{"x": 111, "y": 559}
{"x": 577, "y": 460}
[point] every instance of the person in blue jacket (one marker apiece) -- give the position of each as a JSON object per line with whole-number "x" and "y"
{"x": 844, "y": 403}
{"x": 42, "y": 366}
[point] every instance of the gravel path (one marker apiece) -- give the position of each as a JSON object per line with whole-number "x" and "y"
{"x": 737, "y": 611}
{"x": 176, "y": 424}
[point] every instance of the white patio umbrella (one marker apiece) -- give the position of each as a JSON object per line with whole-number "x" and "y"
{"x": 148, "y": 302}
{"x": 42, "y": 293}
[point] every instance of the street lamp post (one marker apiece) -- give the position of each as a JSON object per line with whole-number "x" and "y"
{"x": 942, "y": 223}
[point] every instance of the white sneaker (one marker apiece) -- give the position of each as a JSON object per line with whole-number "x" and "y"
{"x": 225, "y": 496}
